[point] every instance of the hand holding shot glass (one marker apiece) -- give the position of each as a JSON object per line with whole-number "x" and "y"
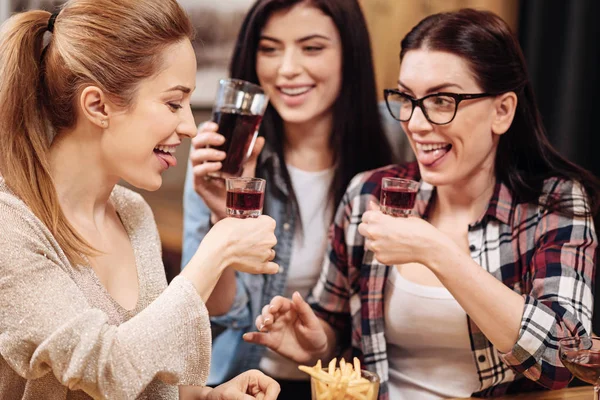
{"x": 398, "y": 196}
{"x": 238, "y": 110}
{"x": 245, "y": 197}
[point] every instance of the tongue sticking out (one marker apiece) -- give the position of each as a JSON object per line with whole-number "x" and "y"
{"x": 428, "y": 158}
{"x": 168, "y": 158}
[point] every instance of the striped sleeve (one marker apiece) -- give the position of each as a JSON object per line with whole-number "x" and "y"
{"x": 560, "y": 301}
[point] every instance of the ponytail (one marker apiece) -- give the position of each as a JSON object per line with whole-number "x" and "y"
{"x": 25, "y": 134}
{"x": 40, "y": 86}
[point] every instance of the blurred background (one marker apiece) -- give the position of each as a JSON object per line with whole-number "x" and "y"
{"x": 559, "y": 39}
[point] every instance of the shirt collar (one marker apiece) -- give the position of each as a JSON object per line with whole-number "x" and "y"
{"x": 499, "y": 207}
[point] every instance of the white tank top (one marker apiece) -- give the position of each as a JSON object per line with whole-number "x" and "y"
{"x": 308, "y": 250}
{"x": 429, "y": 350}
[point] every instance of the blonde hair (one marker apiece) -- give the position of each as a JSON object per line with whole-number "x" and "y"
{"x": 112, "y": 44}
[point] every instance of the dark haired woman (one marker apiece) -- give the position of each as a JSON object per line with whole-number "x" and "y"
{"x": 322, "y": 127}
{"x": 472, "y": 295}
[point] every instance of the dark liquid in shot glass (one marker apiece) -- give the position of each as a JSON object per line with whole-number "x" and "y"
{"x": 244, "y": 203}
{"x": 238, "y": 129}
{"x": 397, "y": 202}
{"x": 584, "y": 364}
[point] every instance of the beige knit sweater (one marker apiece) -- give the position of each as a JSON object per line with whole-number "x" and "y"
{"x": 63, "y": 337}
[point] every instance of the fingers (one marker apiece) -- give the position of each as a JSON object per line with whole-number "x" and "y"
{"x": 280, "y": 304}
{"x": 265, "y": 320}
{"x": 208, "y": 135}
{"x": 264, "y": 339}
{"x": 270, "y": 312}
{"x": 265, "y": 219}
{"x": 259, "y": 323}
{"x": 305, "y": 312}
{"x": 271, "y": 255}
{"x": 369, "y": 216}
{"x": 271, "y": 268}
{"x": 363, "y": 229}
{"x": 204, "y": 154}
{"x": 268, "y": 386}
{"x": 204, "y": 157}
{"x": 200, "y": 171}
{"x": 373, "y": 206}
{"x": 369, "y": 245}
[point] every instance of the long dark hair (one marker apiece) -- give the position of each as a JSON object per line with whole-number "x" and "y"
{"x": 525, "y": 157}
{"x": 358, "y": 139}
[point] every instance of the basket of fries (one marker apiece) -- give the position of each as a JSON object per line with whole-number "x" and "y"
{"x": 347, "y": 381}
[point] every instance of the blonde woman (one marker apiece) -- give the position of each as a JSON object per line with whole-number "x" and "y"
{"x": 85, "y": 307}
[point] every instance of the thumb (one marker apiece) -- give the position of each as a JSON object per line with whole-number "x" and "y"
{"x": 373, "y": 206}
{"x": 262, "y": 338}
{"x": 250, "y": 166}
{"x": 305, "y": 312}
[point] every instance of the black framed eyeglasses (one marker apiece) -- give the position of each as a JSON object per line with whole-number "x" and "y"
{"x": 438, "y": 108}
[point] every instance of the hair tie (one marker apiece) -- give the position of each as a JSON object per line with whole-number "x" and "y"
{"x": 51, "y": 22}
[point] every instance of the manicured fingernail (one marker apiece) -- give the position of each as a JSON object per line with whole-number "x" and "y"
{"x": 267, "y": 321}
{"x": 271, "y": 308}
{"x": 261, "y": 327}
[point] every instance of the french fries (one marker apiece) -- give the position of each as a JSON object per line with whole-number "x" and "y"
{"x": 342, "y": 383}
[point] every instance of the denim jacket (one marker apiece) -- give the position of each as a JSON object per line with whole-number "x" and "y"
{"x": 231, "y": 355}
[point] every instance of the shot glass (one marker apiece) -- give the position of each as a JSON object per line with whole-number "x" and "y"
{"x": 398, "y": 196}
{"x": 238, "y": 110}
{"x": 245, "y": 197}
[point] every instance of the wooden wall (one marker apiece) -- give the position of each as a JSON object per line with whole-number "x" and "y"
{"x": 390, "y": 20}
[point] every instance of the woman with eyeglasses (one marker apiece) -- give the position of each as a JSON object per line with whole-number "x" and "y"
{"x": 470, "y": 295}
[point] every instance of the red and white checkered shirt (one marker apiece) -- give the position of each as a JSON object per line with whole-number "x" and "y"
{"x": 546, "y": 257}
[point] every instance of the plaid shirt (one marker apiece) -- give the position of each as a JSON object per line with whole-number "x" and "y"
{"x": 546, "y": 257}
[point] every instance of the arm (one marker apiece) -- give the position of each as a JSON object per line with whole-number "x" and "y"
{"x": 559, "y": 252}
{"x": 204, "y": 205}
{"x": 303, "y": 333}
{"x": 196, "y": 224}
{"x": 558, "y": 304}
{"x": 330, "y": 298}
{"x": 560, "y": 301}
{"x": 194, "y": 392}
{"x": 494, "y": 307}
{"x": 48, "y": 326}
{"x": 251, "y": 384}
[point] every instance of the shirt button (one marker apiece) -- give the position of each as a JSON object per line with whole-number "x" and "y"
{"x": 481, "y": 359}
{"x": 472, "y": 247}
{"x": 286, "y": 227}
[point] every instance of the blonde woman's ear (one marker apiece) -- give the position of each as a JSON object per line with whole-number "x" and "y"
{"x": 93, "y": 106}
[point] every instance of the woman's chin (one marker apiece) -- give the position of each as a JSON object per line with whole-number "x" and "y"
{"x": 434, "y": 178}
{"x": 148, "y": 185}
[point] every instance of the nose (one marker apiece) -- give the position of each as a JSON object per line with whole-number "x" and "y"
{"x": 290, "y": 64}
{"x": 187, "y": 126}
{"x": 417, "y": 122}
